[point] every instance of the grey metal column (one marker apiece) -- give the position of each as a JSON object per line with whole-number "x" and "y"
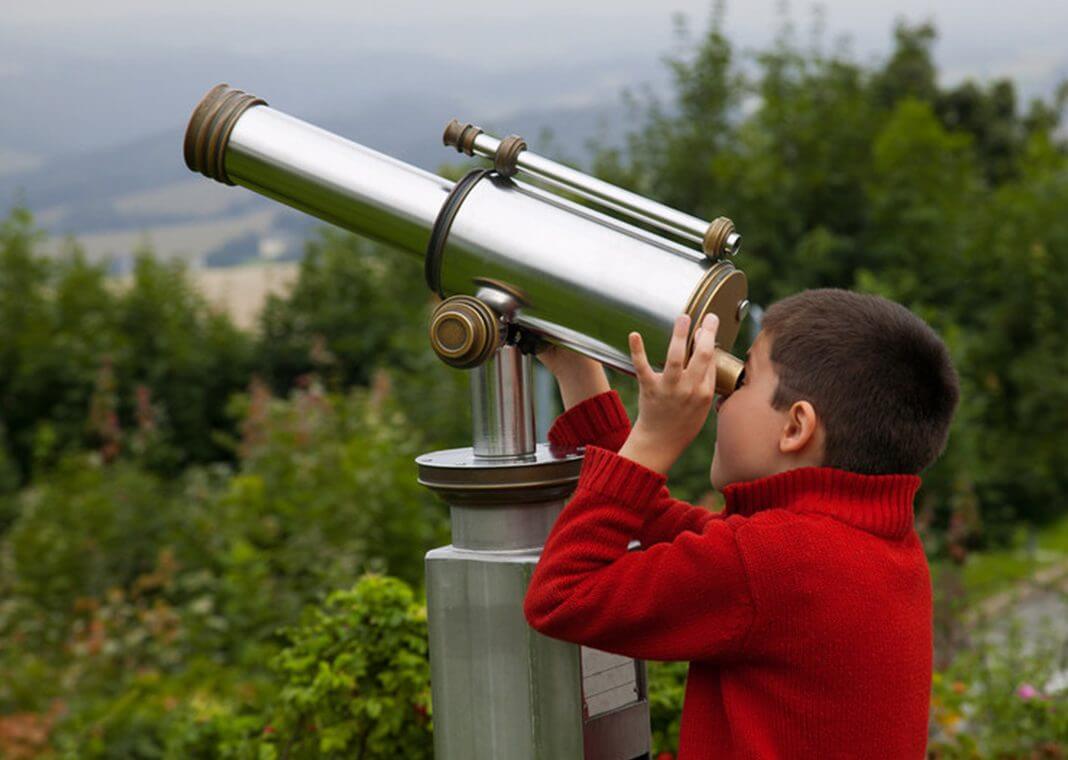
{"x": 501, "y": 690}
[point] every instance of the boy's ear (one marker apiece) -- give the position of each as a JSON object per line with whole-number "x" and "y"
{"x": 802, "y": 433}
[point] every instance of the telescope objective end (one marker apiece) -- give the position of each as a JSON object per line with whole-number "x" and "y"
{"x": 209, "y": 129}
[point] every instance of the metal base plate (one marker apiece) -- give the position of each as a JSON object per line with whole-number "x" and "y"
{"x": 464, "y": 479}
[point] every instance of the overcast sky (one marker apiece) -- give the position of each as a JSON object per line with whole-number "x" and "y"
{"x": 128, "y": 67}
{"x": 1023, "y": 38}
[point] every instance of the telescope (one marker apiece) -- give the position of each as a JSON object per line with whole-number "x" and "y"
{"x": 518, "y": 264}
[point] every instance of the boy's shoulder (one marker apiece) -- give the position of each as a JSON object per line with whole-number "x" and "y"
{"x": 776, "y": 518}
{"x": 787, "y": 549}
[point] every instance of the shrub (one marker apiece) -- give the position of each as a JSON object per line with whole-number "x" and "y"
{"x": 356, "y": 678}
{"x": 1005, "y": 697}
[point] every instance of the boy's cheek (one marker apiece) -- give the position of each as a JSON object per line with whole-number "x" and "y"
{"x": 720, "y": 467}
{"x": 715, "y": 469}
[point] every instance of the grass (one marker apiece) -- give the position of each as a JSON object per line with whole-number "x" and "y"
{"x": 986, "y": 573}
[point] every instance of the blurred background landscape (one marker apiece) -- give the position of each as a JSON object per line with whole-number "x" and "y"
{"x": 211, "y": 536}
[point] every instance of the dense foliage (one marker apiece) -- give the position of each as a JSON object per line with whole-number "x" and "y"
{"x": 129, "y": 601}
{"x": 950, "y": 200}
{"x": 180, "y": 501}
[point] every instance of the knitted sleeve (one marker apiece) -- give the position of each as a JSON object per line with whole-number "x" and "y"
{"x": 602, "y": 421}
{"x": 685, "y": 599}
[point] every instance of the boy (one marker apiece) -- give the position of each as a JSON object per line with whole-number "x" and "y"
{"x": 804, "y": 607}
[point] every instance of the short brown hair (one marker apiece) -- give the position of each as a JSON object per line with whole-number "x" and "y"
{"x": 879, "y": 377}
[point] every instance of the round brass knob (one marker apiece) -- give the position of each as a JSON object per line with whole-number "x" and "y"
{"x": 464, "y": 331}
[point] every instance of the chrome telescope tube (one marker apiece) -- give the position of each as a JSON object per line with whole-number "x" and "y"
{"x": 565, "y": 273}
{"x": 235, "y": 138}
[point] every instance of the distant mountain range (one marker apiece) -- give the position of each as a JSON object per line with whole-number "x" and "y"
{"x": 117, "y": 196}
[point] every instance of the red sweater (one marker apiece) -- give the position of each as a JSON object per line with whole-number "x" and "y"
{"x": 804, "y": 608}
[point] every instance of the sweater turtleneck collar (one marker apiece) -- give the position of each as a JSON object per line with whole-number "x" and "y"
{"x": 879, "y": 504}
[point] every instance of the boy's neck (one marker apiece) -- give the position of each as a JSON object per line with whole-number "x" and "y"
{"x": 879, "y": 504}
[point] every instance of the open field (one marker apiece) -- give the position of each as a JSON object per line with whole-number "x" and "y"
{"x": 242, "y": 291}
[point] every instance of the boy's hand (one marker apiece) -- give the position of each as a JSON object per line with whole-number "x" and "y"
{"x": 579, "y": 377}
{"x": 672, "y": 405}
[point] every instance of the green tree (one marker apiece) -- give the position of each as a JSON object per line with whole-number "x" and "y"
{"x": 62, "y": 322}
{"x": 910, "y": 71}
{"x": 873, "y": 177}
{"x": 343, "y": 314}
{"x": 359, "y": 308}
{"x": 190, "y": 358}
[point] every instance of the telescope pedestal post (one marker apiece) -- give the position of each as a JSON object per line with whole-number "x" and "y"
{"x": 502, "y": 691}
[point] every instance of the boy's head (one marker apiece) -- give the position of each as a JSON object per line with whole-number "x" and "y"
{"x": 837, "y": 379}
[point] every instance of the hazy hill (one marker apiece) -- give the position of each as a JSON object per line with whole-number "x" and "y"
{"x": 106, "y": 160}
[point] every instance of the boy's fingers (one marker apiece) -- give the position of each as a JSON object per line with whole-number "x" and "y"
{"x": 676, "y": 353}
{"x": 638, "y": 358}
{"x": 704, "y": 349}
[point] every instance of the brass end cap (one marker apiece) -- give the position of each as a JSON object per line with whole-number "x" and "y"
{"x": 721, "y": 239}
{"x": 461, "y": 136}
{"x": 209, "y": 129}
{"x": 464, "y": 331}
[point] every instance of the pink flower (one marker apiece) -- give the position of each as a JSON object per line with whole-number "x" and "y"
{"x": 1027, "y": 691}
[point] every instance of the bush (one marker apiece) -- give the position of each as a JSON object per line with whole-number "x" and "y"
{"x": 356, "y": 678}
{"x": 1003, "y": 699}
{"x": 326, "y": 489}
{"x": 84, "y": 529}
{"x": 138, "y": 615}
{"x": 667, "y": 687}
{"x": 62, "y": 324}
{"x": 352, "y": 680}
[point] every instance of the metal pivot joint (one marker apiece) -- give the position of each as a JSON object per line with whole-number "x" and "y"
{"x": 464, "y": 331}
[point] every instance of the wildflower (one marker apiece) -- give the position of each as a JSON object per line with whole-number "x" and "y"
{"x": 1026, "y": 691}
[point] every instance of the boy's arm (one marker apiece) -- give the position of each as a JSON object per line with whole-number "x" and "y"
{"x": 602, "y": 421}
{"x": 687, "y": 599}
